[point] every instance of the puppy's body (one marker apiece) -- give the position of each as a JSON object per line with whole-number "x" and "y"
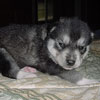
{"x": 56, "y": 50}
{"x": 21, "y": 42}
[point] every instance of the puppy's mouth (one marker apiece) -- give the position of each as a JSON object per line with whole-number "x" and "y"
{"x": 70, "y": 67}
{"x": 66, "y": 68}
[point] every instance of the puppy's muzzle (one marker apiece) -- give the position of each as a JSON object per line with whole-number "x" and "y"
{"x": 70, "y": 62}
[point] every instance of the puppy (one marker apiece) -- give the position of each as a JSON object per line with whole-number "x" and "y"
{"x": 55, "y": 49}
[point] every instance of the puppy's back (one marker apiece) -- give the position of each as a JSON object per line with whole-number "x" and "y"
{"x": 17, "y": 40}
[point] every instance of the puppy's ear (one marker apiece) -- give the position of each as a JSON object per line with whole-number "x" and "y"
{"x": 51, "y": 30}
{"x": 51, "y": 27}
{"x": 46, "y": 30}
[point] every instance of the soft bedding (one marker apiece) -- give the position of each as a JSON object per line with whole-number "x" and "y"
{"x": 45, "y": 87}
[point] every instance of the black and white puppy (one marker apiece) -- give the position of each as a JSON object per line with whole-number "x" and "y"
{"x": 56, "y": 50}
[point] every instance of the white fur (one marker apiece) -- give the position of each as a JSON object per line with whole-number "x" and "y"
{"x": 85, "y": 81}
{"x": 78, "y": 59}
{"x": 21, "y": 74}
{"x": 61, "y": 59}
{"x": 50, "y": 47}
{"x": 53, "y": 29}
{"x": 66, "y": 39}
{"x": 80, "y": 42}
{"x": 52, "y": 50}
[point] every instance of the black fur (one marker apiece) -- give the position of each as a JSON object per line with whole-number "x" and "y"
{"x": 4, "y": 65}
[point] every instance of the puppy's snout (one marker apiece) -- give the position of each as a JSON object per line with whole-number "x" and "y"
{"x": 70, "y": 62}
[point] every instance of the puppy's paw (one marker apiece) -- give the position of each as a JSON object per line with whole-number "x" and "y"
{"x": 85, "y": 81}
{"x": 23, "y": 74}
{"x": 29, "y": 69}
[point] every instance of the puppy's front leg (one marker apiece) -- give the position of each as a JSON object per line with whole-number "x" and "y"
{"x": 75, "y": 77}
{"x": 8, "y": 66}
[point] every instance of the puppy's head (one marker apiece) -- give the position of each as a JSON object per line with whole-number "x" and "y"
{"x": 68, "y": 42}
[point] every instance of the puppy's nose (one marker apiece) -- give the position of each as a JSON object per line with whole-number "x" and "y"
{"x": 70, "y": 62}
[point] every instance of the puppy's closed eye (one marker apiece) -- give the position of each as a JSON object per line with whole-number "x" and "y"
{"x": 60, "y": 45}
